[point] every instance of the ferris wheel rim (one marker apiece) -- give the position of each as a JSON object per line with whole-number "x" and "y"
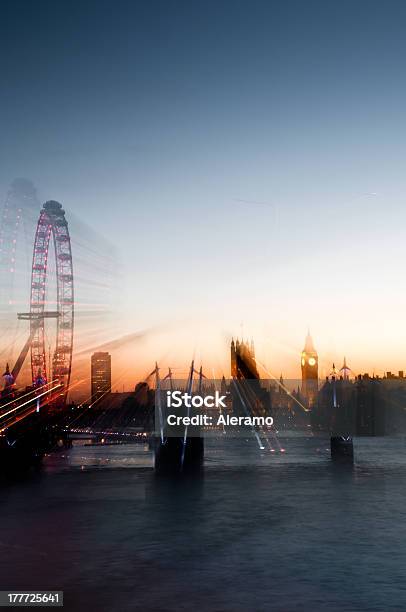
{"x": 52, "y": 224}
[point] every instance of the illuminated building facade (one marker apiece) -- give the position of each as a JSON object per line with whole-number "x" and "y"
{"x": 100, "y": 375}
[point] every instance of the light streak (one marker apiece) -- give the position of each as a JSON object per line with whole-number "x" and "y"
{"x": 26, "y": 394}
{"x": 29, "y": 401}
{"x": 281, "y": 385}
{"x": 261, "y": 446}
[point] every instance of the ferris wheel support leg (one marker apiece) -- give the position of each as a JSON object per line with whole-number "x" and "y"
{"x": 21, "y": 358}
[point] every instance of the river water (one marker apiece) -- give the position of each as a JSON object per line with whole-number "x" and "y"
{"x": 259, "y": 531}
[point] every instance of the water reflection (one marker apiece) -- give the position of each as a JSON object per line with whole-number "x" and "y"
{"x": 256, "y": 532}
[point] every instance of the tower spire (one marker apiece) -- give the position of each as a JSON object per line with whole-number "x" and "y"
{"x": 345, "y": 370}
{"x": 309, "y": 346}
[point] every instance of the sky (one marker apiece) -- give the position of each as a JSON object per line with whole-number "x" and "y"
{"x": 244, "y": 161}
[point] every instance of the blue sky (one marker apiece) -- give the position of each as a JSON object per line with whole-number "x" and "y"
{"x": 251, "y": 152}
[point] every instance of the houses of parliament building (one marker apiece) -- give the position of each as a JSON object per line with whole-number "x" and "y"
{"x": 243, "y": 366}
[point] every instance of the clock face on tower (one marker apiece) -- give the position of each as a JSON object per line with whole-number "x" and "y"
{"x": 303, "y": 361}
{"x": 312, "y": 361}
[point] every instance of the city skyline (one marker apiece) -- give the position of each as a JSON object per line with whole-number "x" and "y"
{"x": 338, "y": 368}
{"x": 192, "y": 339}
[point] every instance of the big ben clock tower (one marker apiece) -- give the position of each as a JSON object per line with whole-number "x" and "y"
{"x": 310, "y": 372}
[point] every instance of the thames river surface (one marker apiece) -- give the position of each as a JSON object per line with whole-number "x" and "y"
{"x": 259, "y": 531}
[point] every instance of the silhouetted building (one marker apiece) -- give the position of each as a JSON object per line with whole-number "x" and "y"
{"x": 352, "y": 407}
{"x": 243, "y": 365}
{"x": 370, "y": 406}
{"x": 390, "y": 376}
{"x": 247, "y": 393}
{"x": 100, "y": 375}
{"x": 310, "y": 372}
{"x": 141, "y": 393}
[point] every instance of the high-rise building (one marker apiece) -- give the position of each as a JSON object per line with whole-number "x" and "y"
{"x": 310, "y": 372}
{"x": 100, "y": 375}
